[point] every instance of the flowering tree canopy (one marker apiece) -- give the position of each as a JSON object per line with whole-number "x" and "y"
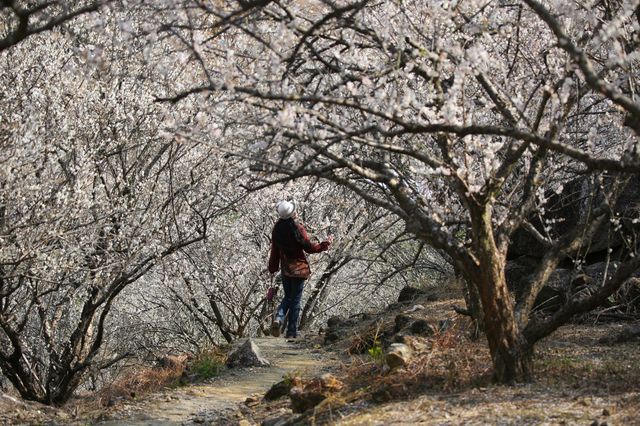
{"x": 459, "y": 117}
{"x": 147, "y": 143}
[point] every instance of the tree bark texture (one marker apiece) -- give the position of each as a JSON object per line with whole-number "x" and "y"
{"x": 510, "y": 352}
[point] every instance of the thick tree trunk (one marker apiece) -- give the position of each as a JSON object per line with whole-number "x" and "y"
{"x": 510, "y": 352}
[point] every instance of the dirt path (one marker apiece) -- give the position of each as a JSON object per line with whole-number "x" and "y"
{"x": 217, "y": 401}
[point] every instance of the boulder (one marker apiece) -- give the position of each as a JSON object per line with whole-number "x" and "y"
{"x": 564, "y": 211}
{"x": 247, "y": 355}
{"x": 517, "y": 272}
{"x": 398, "y": 355}
{"x": 561, "y": 284}
{"x": 554, "y": 293}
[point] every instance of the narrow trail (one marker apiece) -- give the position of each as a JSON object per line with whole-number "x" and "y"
{"x": 217, "y": 400}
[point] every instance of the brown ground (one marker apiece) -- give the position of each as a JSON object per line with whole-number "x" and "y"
{"x": 579, "y": 381}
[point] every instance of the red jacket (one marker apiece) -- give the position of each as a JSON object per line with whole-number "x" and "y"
{"x": 288, "y": 249}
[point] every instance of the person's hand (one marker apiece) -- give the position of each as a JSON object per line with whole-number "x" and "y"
{"x": 325, "y": 244}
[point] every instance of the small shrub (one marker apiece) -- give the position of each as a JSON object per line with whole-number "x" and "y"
{"x": 292, "y": 378}
{"x": 375, "y": 352}
{"x": 207, "y": 363}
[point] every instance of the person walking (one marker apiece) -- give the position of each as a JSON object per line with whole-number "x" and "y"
{"x": 289, "y": 242}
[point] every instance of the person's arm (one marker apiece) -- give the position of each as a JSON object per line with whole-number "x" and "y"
{"x": 274, "y": 259}
{"x": 309, "y": 246}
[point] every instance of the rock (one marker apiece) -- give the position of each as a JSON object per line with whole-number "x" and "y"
{"x": 247, "y": 355}
{"x": 414, "y": 308}
{"x": 417, "y": 326}
{"x": 595, "y": 273}
{"x": 422, "y": 327}
{"x": 335, "y": 322}
{"x": 316, "y": 391}
{"x": 401, "y": 321}
{"x": 563, "y": 213}
{"x": 332, "y": 336}
{"x": 398, "y": 355}
{"x": 277, "y": 421}
{"x": 567, "y": 209}
{"x": 382, "y": 394}
{"x": 302, "y": 400}
{"x": 281, "y": 388}
{"x": 336, "y": 328}
{"x": 517, "y": 271}
{"x": 251, "y": 400}
{"x": 561, "y": 283}
{"x": 408, "y": 294}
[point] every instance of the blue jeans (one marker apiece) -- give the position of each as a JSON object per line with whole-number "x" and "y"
{"x": 291, "y": 303}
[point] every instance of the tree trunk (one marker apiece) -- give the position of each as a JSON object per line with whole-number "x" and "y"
{"x": 511, "y": 355}
{"x": 510, "y": 352}
{"x": 316, "y": 296}
{"x": 473, "y": 303}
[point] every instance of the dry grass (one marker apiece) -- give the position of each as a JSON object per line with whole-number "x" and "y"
{"x": 443, "y": 363}
{"x": 577, "y": 381}
{"x": 366, "y": 340}
{"x": 135, "y": 382}
{"x": 140, "y": 381}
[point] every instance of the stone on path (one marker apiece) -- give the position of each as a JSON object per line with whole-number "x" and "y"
{"x": 247, "y": 355}
{"x": 398, "y": 355}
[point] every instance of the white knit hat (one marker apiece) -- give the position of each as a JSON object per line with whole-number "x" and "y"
{"x": 285, "y": 209}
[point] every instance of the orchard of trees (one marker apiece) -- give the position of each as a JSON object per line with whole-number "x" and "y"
{"x": 143, "y": 145}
